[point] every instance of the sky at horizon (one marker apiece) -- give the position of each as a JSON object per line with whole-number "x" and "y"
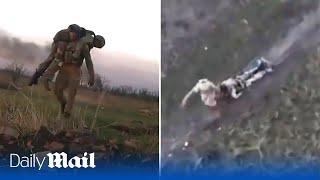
{"x": 130, "y": 27}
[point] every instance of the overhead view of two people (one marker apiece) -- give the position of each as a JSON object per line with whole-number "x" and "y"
{"x": 69, "y": 49}
{"x": 233, "y": 87}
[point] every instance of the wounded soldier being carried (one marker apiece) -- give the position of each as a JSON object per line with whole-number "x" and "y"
{"x": 232, "y": 87}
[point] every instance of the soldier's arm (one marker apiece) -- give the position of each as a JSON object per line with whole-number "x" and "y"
{"x": 193, "y": 91}
{"x": 89, "y": 64}
{"x": 59, "y": 38}
{"x": 234, "y": 93}
{"x": 60, "y": 50}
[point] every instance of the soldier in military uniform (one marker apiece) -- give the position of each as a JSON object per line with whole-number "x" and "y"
{"x": 58, "y": 61}
{"x": 72, "y": 33}
{"x": 70, "y": 72}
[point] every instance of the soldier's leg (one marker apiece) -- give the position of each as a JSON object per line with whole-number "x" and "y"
{"x": 60, "y": 86}
{"x": 72, "y": 91}
{"x": 50, "y": 72}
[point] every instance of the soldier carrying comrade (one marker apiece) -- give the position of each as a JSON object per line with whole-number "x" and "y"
{"x": 69, "y": 48}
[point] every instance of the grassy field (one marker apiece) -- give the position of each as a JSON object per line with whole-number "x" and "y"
{"x": 282, "y": 138}
{"x": 230, "y": 46}
{"x": 125, "y": 120}
{"x": 284, "y": 135}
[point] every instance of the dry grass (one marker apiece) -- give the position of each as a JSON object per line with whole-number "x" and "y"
{"x": 28, "y": 109}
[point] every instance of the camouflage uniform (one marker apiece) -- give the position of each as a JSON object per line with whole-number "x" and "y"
{"x": 61, "y": 36}
{"x": 73, "y": 32}
{"x": 58, "y": 61}
{"x": 70, "y": 74}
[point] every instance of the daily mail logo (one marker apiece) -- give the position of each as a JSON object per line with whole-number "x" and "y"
{"x": 55, "y": 160}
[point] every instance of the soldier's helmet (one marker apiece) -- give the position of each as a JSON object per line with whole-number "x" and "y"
{"x": 98, "y": 41}
{"x": 74, "y": 28}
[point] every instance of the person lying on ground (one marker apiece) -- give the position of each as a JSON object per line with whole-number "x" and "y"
{"x": 208, "y": 92}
